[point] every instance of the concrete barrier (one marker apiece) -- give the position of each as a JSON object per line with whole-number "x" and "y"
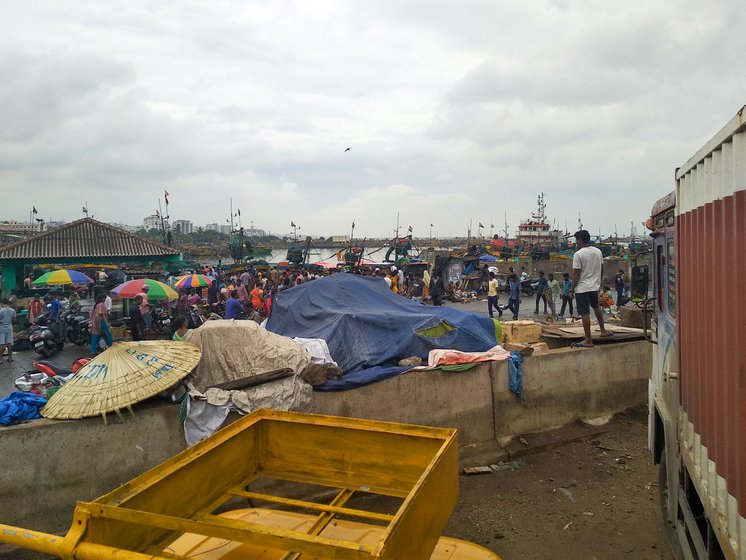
{"x": 47, "y": 465}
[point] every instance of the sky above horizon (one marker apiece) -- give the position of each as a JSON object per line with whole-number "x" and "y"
{"x": 454, "y": 112}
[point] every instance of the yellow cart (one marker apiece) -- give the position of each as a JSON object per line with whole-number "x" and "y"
{"x": 172, "y": 511}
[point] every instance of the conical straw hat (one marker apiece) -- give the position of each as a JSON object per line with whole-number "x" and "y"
{"x": 126, "y": 373}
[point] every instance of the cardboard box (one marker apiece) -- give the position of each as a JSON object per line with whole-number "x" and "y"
{"x": 521, "y": 331}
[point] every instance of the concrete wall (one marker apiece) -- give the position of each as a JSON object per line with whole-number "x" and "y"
{"x": 559, "y": 387}
{"x": 45, "y": 466}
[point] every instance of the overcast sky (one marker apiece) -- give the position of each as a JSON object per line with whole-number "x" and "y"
{"x": 455, "y": 111}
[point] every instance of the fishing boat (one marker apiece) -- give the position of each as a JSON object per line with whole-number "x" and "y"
{"x": 537, "y": 231}
{"x": 177, "y": 509}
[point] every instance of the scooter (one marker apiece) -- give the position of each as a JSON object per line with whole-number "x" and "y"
{"x": 48, "y": 374}
{"x": 48, "y": 336}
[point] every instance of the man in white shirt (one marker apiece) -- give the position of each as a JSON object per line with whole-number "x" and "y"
{"x": 587, "y": 264}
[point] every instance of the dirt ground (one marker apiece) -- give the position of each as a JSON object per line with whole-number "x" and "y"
{"x": 593, "y": 499}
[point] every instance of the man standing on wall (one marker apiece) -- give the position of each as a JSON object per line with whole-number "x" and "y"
{"x": 587, "y": 264}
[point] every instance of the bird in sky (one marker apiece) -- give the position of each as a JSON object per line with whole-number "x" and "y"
{"x": 348, "y": 149}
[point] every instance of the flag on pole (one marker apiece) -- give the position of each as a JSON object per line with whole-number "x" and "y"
{"x": 85, "y": 210}
{"x": 157, "y": 213}
{"x": 292, "y": 224}
{"x": 353, "y": 224}
{"x": 410, "y": 229}
{"x": 239, "y": 211}
{"x": 166, "y": 197}
{"x": 34, "y": 210}
{"x": 480, "y": 224}
{"x": 431, "y": 225}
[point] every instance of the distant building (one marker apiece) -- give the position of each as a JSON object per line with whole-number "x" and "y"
{"x": 13, "y": 226}
{"x": 221, "y": 228}
{"x": 183, "y": 226}
{"x": 339, "y": 239}
{"x": 153, "y": 222}
{"x": 52, "y": 224}
{"x": 255, "y": 232}
{"x": 125, "y": 227}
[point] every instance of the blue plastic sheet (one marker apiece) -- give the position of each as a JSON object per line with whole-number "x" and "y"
{"x": 515, "y": 375}
{"x": 369, "y": 329}
{"x": 19, "y": 407}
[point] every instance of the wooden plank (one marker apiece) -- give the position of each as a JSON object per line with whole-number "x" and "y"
{"x": 359, "y": 513}
{"x": 254, "y": 380}
{"x": 239, "y": 531}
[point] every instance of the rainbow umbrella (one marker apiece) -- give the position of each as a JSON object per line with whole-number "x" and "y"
{"x": 156, "y": 290}
{"x": 193, "y": 281}
{"x": 62, "y": 277}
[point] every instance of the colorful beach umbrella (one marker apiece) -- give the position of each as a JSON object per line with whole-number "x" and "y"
{"x": 156, "y": 290}
{"x": 193, "y": 281}
{"x": 126, "y": 373}
{"x": 62, "y": 277}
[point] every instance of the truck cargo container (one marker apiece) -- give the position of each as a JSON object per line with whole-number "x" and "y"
{"x": 697, "y": 429}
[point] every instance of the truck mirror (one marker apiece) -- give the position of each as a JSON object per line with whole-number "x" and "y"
{"x": 640, "y": 282}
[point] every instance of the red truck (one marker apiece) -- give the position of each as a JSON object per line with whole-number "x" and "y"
{"x": 697, "y": 391}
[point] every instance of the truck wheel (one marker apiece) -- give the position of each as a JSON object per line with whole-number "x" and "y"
{"x": 669, "y": 525}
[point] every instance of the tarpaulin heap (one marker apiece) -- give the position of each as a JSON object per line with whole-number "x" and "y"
{"x": 369, "y": 329}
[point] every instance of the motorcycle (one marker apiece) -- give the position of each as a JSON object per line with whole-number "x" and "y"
{"x": 47, "y": 375}
{"x": 48, "y": 336}
{"x": 160, "y": 320}
{"x": 78, "y": 329}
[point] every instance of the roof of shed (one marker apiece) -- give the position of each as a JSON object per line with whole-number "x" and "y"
{"x": 86, "y": 238}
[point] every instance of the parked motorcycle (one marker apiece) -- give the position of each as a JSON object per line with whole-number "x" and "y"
{"x": 78, "y": 329}
{"x": 160, "y": 320}
{"x": 46, "y": 375}
{"x": 48, "y": 336}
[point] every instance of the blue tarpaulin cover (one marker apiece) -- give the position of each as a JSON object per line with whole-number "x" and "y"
{"x": 369, "y": 329}
{"x": 20, "y": 406}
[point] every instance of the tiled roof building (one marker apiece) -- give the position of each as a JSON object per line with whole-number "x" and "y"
{"x": 82, "y": 241}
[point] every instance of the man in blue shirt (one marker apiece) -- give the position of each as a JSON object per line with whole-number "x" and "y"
{"x": 541, "y": 285}
{"x": 566, "y": 299}
{"x": 514, "y": 301}
{"x": 233, "y": 307}
{"x": 55, "y": 307}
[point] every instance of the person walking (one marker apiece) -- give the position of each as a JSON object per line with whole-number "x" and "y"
{"x": 436, "y": 290}
{"x": 99, "y": 323}
{"x": 137, "y": 323}
{"x": 619, "y": 287}
{"x": 541, "y": 286}
{"x": 493, "y": 287}
{"x": 514, "y": 300}
{"x": 35, "y": 308}
{"x": 7, "y": 317}
{"x": 566, "y": 297}
{"x": 551, "y": 293}
{"x": 587, "y": 267}
{"x": 145, "y": 307}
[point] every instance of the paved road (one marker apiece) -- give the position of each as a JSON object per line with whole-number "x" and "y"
{"x": 23, "y": 361}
